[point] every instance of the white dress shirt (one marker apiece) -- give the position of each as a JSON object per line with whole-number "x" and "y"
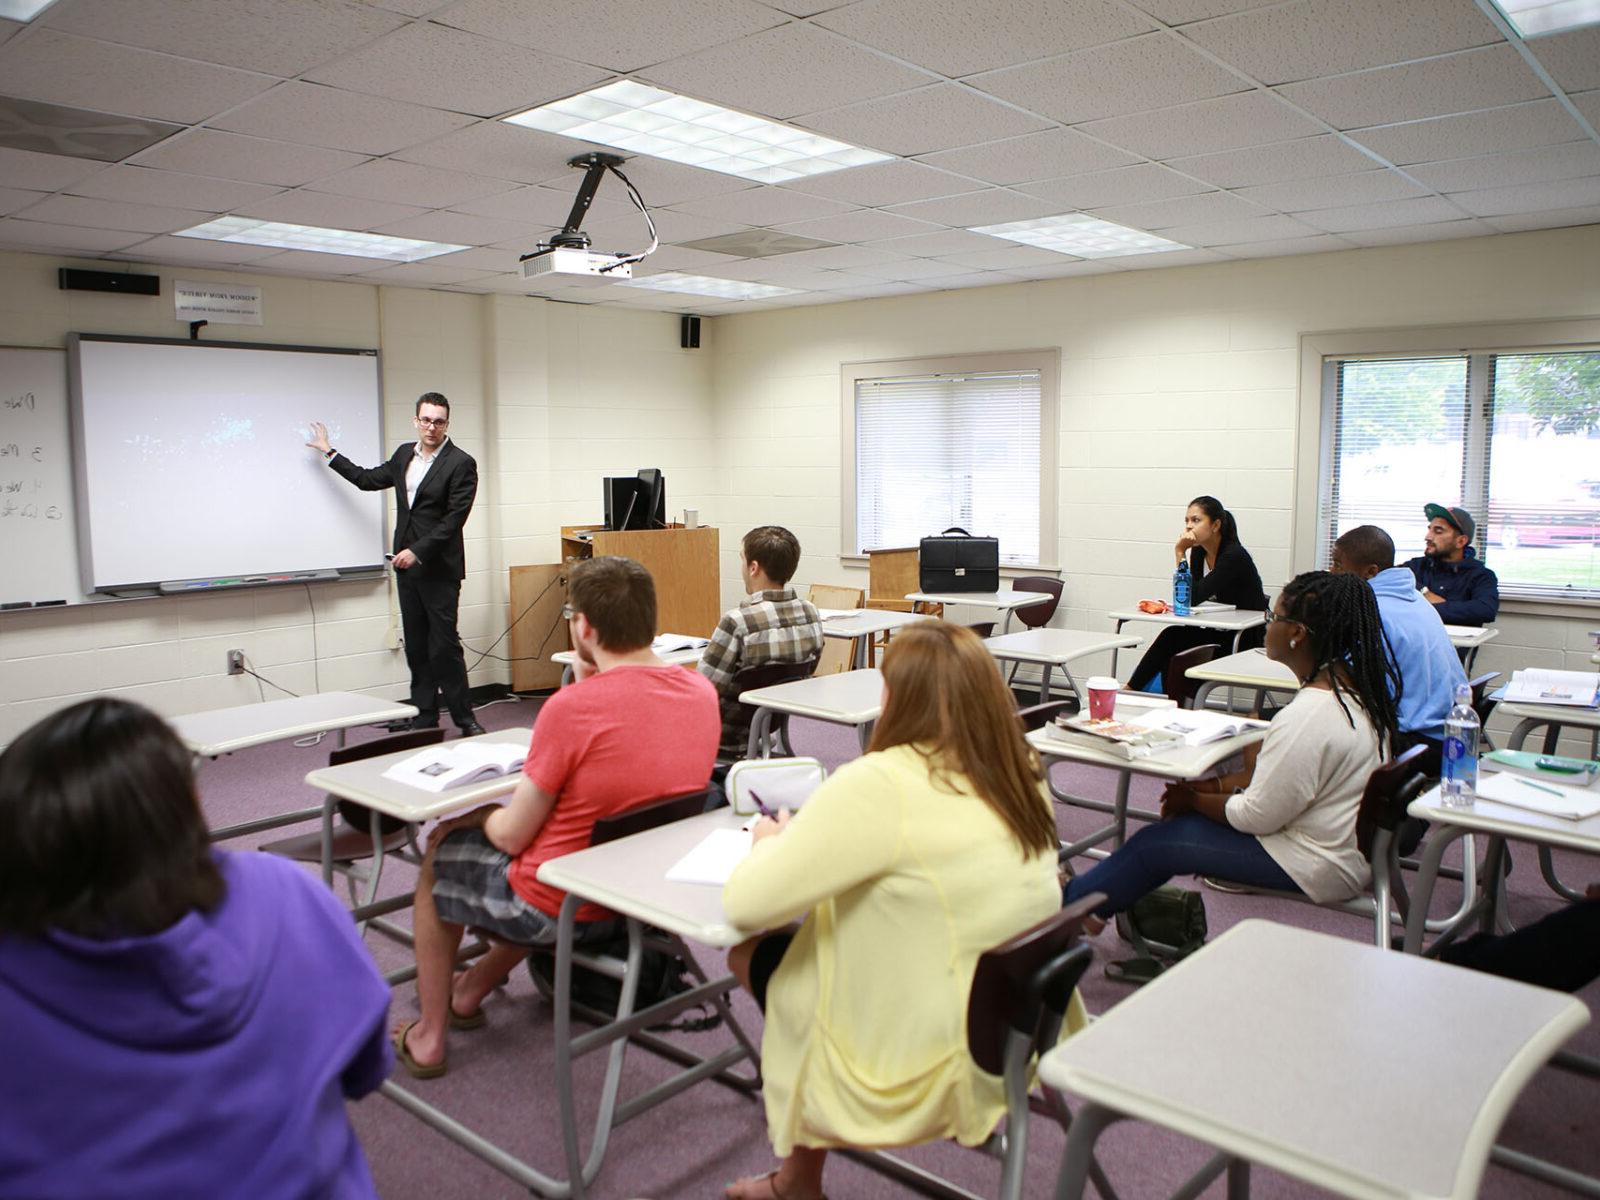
{"x": 418, "y": 469}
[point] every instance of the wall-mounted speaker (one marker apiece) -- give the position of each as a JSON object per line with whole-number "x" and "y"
{"x": 689, "y": 332}
{"x": 74, "y": 280}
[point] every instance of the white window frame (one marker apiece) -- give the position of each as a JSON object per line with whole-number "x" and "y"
{"x": 1314, "y": 431}
{"x": 1047, "y": 362}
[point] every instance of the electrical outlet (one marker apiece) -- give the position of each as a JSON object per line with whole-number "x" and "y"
{"x": 235, "y": 662}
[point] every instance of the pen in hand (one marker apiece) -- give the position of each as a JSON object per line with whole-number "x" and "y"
{"x": 762, "y": 808}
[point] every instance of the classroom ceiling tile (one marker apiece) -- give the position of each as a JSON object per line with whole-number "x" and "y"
{"x": 1241, "y": 230}
{"x": 626, "y": 230}
{"x": 1049, "y": 154}
{"x": 385, "y": 178}
{"x": 969, "y": 279}
{"x": 1183, "y": 12}
{"x": 144, "y": 185}
{"x": 1567, "y": 161}
{"x": 1403, "y": 235}
{"x": 1573, "y": 59}
{"x": 462, "y": 229}
{"x": 1517, "y": 127}
{"x": 312, "y": 262}
{"x": 1066, "y": 267}
{"x": 13, "y": 199}
{"x": 961, "y": 37}
{"x": 866, "y": 226}
{"x": 1332, "y": 191}
{"x": 76, "y": 132}
{"x": 410, "y": 8}
{"x": 541, "y": 205}
{"x": 1424, "y": 210}
{"x": 934, "y": 245}
{"x": 277, "y": 37}
{"x": 1531, "y": 197}
{"x": 445, "y": 68}
{"x": 660, "y": 182}
{"x": 328, "y": 211}
{"x": 19, "y": 234}
{"x": 1455, "y": 83}
{"x": 314, "y": 115}
{"x": 500, "y": 151}
{"x": 757, "y": 243}
{"x": 1556, "y": 218}
{"x": 687, "y": 259}
{"x": 1319, "y": 243}
{"x": 619, "y": 35}
{"x": 425, "y": 273}
{"x": 765, "y": 205}
{"x": 481, "y": 258}
{"x": 194, "y": 251}
{"x": 115, "y": 214}
{"x": 1588, "y": 103}
{"x": 831, "y": 258}
{"x": 1181, "y": 210}
{"x": 1125, "y": 185}
{"x": 785, "y": 72}
{"x": 255, "y": 160}
{"x": 1207, "y": 126}
{"x": 1154, "y": 71}
{"x": 1303, "y": 158}
{"x": 1313, "y": 38}
{"x": 991, "y": 207}
{"x": 1001, "y": 258}
{"x": 935, "y": 118}
{"x": 59, "y": 68}
{"x": 1158, "y": 261}
{"x": 44, "y": 172}
{"x": 882, "y": 184}
{"x": 8, "y": 28}
{"x": 905, "y": 271}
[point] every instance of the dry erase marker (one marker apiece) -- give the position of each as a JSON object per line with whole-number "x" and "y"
{"x": 762, "y": 808}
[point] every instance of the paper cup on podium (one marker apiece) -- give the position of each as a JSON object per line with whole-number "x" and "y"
{"x": 1102, "y": 690}
{"x": 691, "y": 518}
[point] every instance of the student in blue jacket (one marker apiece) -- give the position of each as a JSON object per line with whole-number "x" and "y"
{"x": 1430, "y": 670}
{"x": 1462, "y": 590}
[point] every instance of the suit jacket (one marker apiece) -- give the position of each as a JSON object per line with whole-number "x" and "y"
{"x": 431, "y": 527}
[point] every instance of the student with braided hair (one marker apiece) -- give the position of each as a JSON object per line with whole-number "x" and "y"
{"x": 1290, "y": 824}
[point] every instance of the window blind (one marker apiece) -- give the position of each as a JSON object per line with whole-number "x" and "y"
{"x": 934, "y": 451}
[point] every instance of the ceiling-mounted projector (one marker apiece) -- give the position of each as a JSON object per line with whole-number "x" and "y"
{"x": 567, "y": 255}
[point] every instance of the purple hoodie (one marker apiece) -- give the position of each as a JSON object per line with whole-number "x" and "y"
{"x": 211, "y": 1059}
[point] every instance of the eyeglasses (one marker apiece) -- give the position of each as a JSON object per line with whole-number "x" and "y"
{"x": 433, "y": 422}
{"x": 1272, "y": 617}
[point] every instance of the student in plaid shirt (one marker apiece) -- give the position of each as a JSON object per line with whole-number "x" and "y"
{"x": 771, "y": 625}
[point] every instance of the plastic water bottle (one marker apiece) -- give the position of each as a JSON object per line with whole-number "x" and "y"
{"x": 1459, "y": 783}
{"x": 1180, "y": 590}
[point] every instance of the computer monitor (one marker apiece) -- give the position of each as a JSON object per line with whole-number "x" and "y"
{"x": 638, "y": 502}
{"x": 653, "y": 498}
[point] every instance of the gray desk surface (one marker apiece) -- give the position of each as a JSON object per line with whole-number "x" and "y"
{"x": 1470, "y": 637}
{"x": 848, "y": 698}
{"x": 224, "y": 730}
{"x": 1236, "y": 620}
{"x": 1001, "y": 601}
{"x": 363, "y": 782}
{"x": 1248, "y": 668}
{"x": 861, "y": 622}
{"x": 1508, "y": 821}
{"x": 1287, "y": 1048}
{"x": 1058, "y": 647}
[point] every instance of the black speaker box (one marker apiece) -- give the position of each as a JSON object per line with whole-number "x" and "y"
{"x": 74, "y": 280}
{"x": 689, "y": 332}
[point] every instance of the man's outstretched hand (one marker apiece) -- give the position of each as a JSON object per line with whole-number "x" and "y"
{"x": 319, "y": 437}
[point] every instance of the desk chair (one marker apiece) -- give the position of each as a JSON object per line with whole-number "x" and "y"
{"x": 748, "y": 679}
{"x": 362, "y": 833}
{"x": 1175, "y": 681}
{"x": 838, "y": 654}
{"x": 1019, "y": 997}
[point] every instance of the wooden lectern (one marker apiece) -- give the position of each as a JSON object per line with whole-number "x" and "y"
{"x": 683, "y": 562}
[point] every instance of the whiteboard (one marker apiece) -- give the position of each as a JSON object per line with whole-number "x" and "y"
{"x": 190, "y": 463}
{"x": 37, "y": 534}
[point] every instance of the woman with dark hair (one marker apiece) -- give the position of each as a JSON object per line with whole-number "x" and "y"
{"x": 174, "y": 1021}
{"x": 906, "y": 865}
{"x": 1289, "y": 825}
{"x": 1220, "y": 569}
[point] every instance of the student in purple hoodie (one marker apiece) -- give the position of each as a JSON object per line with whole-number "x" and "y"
{"x": 174, "y": 1021}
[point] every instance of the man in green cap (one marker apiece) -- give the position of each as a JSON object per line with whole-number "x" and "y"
{"x": 1449, "y": 574}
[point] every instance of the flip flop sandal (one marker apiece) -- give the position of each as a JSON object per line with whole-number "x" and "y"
{"x": 466, "y": 1021}
{"x": 771, "y": 1180}
{"x": 413, "y": 1068}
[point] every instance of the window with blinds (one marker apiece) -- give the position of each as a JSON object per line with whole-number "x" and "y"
{"x": 963, "y": 449}
{"x": 1514, "y": 438}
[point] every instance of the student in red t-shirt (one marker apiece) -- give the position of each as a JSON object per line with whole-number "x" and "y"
{"x": 631, "y": 730}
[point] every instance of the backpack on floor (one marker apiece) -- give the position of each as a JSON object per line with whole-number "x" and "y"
{"x": 1164, "y": 927}
{"x": 661, "y": 976}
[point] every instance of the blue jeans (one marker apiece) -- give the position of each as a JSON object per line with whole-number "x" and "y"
{"x": 1187, "y": 845}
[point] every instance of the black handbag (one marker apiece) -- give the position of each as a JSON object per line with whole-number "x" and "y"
{"x": 959, "y": 563}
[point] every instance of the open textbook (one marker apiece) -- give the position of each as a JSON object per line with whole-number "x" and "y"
{"x": 671, "y": 643}
{"x": 440, "y": 768}
{"x": 1152, "y": 732}
{"x": 1539, "y": 686}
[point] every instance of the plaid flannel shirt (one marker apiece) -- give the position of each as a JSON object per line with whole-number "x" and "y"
{"x": 768, "y": 627}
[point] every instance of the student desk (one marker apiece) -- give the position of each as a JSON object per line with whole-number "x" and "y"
{"x": 1055, "y": 648}
{"x": 1554, "y": 718}
{"x": 1247, "y": 669}
{"x": 850, "y": 698}
{"x": 861, "y": 625}
{"x": 1469, "y": 639}
{"x": 1184, "y": 766}
{"x": 1229, "y": 620}
{"x": 1288, "y": 1048}
{"x": 682, "y": 658}
{"x": 1002, "y": 602}
{"x": 224, "y": 730}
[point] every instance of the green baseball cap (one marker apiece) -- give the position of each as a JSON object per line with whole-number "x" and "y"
{"x": 1459, "y": 518}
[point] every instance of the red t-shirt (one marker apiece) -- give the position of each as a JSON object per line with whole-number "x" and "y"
{"x": 615, "y": 741}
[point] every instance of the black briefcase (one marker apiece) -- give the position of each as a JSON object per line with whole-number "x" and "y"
{"x": 955, "y": 561}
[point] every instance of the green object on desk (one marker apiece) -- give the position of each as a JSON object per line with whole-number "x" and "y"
{"x": 1575, "y": 770}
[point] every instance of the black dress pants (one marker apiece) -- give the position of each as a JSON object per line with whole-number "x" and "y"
{"x": 1562, "y": 951}
{"x": 428, "y": 608}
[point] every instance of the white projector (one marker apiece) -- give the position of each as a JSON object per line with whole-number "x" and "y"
{"x": 574, "y": 265}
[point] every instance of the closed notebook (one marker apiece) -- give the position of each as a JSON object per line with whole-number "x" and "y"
{"x": 1553, "y": 800}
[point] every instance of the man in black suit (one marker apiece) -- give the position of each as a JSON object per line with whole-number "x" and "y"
{"x": 434, "y": 484}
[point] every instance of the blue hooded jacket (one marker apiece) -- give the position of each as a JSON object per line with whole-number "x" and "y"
{"x": 1470, "y": 590}
{"x": 1428, "y": 664}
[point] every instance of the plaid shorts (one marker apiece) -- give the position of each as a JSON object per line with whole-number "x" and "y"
{"x": 472, "y": 886}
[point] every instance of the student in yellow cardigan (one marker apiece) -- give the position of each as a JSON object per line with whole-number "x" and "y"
{"x": 906, "y": 865}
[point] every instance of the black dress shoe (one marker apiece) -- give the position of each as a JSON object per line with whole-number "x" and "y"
{"x": 424, "y": 721}
{"x": 470, "y": 728}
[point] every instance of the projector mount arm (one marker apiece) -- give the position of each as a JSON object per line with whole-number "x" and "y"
{"x": 595, "y": 166}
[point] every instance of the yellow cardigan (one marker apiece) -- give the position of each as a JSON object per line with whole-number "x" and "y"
{"x": 903, "y": 885}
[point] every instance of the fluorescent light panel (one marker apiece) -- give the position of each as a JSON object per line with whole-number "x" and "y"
{"x": 1531, "y": 18}
{"x": 314, "y": 238}
{"x": 1080, "y": 236}
{"x": 706, "y": 285}
{"x": 23, "y": 10}
{"x": 647, "y": 120}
